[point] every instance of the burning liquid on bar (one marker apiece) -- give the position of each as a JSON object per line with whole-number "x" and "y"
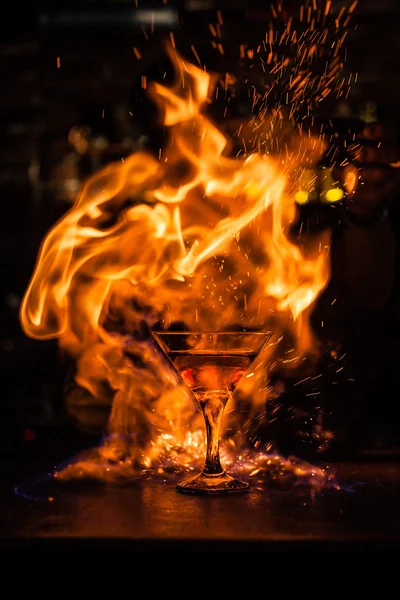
{"x": 197, "y": 237}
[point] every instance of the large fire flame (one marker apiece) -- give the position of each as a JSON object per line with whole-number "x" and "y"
{"x": 196, "y": 237}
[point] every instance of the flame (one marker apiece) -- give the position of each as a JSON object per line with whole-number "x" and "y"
{"x": 196, "y": 237}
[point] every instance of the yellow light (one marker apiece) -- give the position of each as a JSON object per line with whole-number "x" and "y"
{"x": 334, "y": 195}
{"x": 301, "y": 196}
{"x": 253, "y": 189}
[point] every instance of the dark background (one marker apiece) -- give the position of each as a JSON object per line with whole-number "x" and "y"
{"x": 40, "y": 170}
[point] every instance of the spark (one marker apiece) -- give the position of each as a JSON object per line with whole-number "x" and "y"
{"x": 302, "y": 381}
{"x": 196, "y": 55}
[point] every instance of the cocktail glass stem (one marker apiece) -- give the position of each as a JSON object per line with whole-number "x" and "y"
{"x": 213, "y": 404}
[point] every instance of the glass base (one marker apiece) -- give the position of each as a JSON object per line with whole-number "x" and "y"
{"x": 212, "y": 485}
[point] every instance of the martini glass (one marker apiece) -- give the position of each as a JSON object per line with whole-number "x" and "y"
{"x": 211, "y": 364}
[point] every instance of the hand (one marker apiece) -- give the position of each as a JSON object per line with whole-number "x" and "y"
{"x": 373, "y": 174}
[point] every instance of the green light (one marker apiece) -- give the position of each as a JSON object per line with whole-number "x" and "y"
{"x": 334, "y": 195}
